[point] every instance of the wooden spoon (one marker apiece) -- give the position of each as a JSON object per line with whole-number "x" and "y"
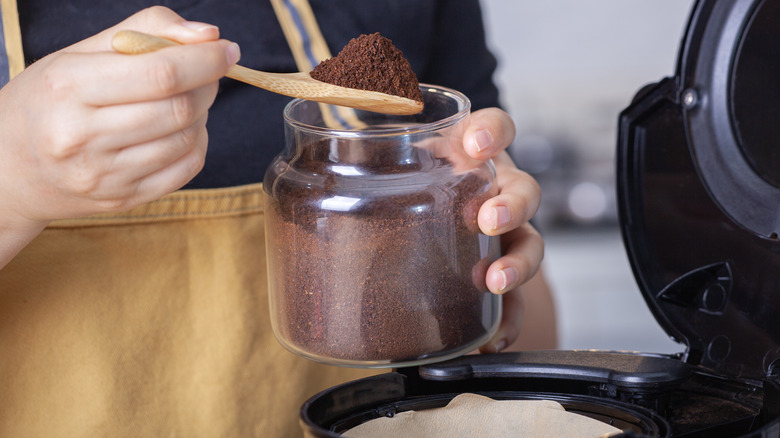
{"x": 300, "y": 84}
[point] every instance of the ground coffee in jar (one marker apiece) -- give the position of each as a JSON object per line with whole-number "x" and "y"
{"x": 374, "y": 254}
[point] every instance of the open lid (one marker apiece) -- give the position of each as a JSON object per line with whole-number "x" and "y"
{"x": 699, "y": 190}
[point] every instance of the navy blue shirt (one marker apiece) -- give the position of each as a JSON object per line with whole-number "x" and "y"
{"x": 443, "y": 40}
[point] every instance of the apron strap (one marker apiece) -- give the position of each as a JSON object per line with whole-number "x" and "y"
{"x": 309, "y": 49}
{"x": 11, "y": 52}
{"x": 302, "y": 32}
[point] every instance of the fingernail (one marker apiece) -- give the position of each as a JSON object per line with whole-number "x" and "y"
{"x": 483, "y": 139}
{"x": 501, "y": 216}
{"x": 500, "y": 345}
{"x": 233, "y": 53}
{"x": 198, "y": 26}
{"x": 508, "y": 277}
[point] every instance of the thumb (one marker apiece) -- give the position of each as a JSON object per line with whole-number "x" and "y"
{"x": 156, "y": 20}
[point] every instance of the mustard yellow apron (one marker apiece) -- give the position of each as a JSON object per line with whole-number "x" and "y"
{"x": 152, "y": 322}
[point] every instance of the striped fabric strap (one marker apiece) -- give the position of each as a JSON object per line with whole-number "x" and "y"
{"x": 302, "y": 32}
{"x": 11, "y": 53}
{"x": 309, "y": 49}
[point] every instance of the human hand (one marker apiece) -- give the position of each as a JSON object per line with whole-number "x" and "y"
{"x": 489, "y": 133}
{"x": 87, "y": 130}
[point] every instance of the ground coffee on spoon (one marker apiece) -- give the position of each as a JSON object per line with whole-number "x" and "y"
{"x": 373, "y": 63}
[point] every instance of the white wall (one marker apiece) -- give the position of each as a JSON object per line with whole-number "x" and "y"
{"x": 567, "y": 67}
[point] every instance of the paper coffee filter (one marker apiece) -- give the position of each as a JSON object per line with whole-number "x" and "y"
{"x": 477, "y": 415}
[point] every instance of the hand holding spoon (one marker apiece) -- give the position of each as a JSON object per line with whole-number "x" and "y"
{"x": 300, "y": 85}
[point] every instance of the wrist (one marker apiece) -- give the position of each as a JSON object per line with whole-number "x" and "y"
{"x": 15, "y": 234}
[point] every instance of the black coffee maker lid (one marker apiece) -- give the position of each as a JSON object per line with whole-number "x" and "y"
{"x": 699, "y": 190}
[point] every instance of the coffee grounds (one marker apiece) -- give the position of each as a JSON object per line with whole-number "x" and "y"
{"x": 398, "y": 277}
{"x": 373, "y": 63}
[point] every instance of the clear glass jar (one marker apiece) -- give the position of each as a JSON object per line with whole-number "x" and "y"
{"x": 375, "y": 258}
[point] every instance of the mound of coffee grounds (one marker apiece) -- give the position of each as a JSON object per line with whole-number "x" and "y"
{"x": 396, "y": 276}
{"x": 373, "y": 63}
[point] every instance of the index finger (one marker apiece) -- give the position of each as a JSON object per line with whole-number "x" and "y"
{"x": 112, "y": 78}
{"x": 490, "y": 132}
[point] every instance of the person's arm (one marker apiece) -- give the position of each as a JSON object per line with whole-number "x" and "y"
{"x": 534, "y": 306}
{"x": 15, "y": 234}
{"x": 86, "y": 130}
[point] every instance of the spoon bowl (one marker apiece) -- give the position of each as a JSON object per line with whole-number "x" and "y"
{"x": 300, "y": 85}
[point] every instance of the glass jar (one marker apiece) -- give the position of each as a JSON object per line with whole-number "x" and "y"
{"x": 374, "y": 255}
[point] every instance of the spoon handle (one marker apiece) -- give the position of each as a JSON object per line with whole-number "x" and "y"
{"x": 133, "y": 43}
{"x": 300, "y": 84}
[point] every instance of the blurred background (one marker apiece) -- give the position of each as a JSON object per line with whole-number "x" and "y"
{"x": 566, "y": 70}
